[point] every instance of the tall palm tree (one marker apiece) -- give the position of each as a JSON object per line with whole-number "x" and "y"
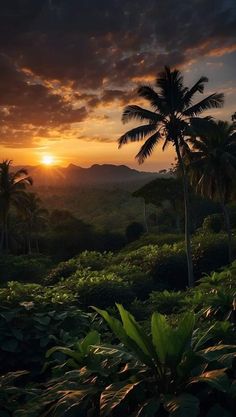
{"x": 34, "y": 217}
{"x": 12, "y": 193}
{"x": 172, "y": 110}
{"x": 213, "y": 165}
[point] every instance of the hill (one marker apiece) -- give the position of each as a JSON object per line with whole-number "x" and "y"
{"x": 74, "y": 175}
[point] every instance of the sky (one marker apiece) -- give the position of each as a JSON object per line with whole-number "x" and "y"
{"x": 69, "y": 67}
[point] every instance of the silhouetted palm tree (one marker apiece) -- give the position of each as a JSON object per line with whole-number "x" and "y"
{"x": 34, "y": 217}
{"x": 171, "y": 114}
{"x": 213, "y": 165}
{"x": 12, "y": 193}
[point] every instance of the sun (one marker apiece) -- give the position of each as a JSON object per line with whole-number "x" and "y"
{"x": 47, "y": 160}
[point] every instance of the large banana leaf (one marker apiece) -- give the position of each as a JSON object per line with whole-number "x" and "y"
{"x": 171, "y": 343}
{"x": 185, "y": 405}
{"x": 135, "y": 332}
{"x": 120, "y": 332}
{"x": 114, "y": 395}
{"x": 216, "y": 379}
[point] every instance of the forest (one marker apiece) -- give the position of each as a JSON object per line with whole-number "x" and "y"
{"x": 121, "y": 301}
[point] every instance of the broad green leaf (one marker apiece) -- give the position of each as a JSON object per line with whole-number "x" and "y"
{"x": 92, "y": 338}
{"x": 180, "y": 339}
{"x": 184, "y": 405}
{"x": 118, "y": 329}
{"x": 135, "y": 332}
{"x": 149, "y": 409}
{"x": 215, "y": 353}
{"x": 114, "y": 395}
{"x": 216, "y": 379}
{"x": 161, "y": 332}
{"x": 69, "y": 352}
{"x": 115, "y": 325}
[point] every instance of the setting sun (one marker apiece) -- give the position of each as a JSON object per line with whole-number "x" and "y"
{"x": 47, "y": 160}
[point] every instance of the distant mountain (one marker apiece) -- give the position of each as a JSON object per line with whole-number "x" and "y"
{"x": 74, "y": 175}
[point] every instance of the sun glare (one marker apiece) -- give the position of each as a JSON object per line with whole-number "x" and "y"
{"x": 47, "y": 160}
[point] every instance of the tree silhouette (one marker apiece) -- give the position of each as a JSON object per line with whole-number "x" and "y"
{"x": 35, "y": 218}
{"x": 213, "y": 165}
{"x": 171, "y": 115}
{"x": 12, "y": 193}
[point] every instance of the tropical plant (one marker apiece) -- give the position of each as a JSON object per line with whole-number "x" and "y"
{"x": 172, "y": 113}
{"x": 212, "y": 164}
{"x": 12, "y": 193}
{"x": 170, "y": 373}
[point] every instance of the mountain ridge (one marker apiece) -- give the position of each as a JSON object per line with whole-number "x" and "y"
{"x": 74, "y": 175}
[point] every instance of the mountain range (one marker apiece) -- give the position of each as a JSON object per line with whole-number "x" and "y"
{"x": 74, "y": 175}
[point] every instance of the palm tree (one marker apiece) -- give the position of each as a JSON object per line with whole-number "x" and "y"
{"x": 213, "y": 165}
{"x": 34, "y": 217}
{"x": 172, "y": 111}
{"x": 12, "y": 193}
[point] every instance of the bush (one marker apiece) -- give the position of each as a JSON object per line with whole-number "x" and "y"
{"x": 155, "y": 239}
{"x": 96, "y": 261}
{"x": 166, "y": 302}
{"x": 27, "y": 331}
{"x": 62, "y": 270}
{"x": 213, "y": 223}
{"x": 170, "y": 268}
{"x": 98, "y": 288}
{"x": 210, "y": 253}
{"x": 23, "y": 268}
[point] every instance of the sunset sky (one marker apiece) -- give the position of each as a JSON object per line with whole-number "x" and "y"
{"x": 68, "y": 67}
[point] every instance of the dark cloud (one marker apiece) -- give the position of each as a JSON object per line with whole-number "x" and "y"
{"x": 61, "y": 59}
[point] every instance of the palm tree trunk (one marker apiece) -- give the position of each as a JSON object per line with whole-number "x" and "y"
{"x": 187, "y": 217}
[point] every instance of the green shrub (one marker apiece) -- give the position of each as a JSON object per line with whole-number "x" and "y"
{"x": 96, "y": 261}
{"x": 27, "y": 331}
{"x": 213, "y": 223}
{"x": 210, "y": 253}
{"x": 98, "y": 288}
{"x": 170, "y": 268}
{"x": 155, "y": 239}
{"x": 167, "y": 302}
{"x": 62, "y": 270}
{"x": 144, "y": 258}
{"x": 23, "y": 268}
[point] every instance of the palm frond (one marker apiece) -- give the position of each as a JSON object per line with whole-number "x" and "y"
{"x": 150, "y": 94}
{"x": 198, "y": 87}
{"x": 134, "y": 112}
{"x": 147, "y": 148}
{"x": 136, "y": 134}
{"x": 215, "y": 100}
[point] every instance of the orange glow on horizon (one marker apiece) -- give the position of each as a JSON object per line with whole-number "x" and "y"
{"x": 48, "y": 160}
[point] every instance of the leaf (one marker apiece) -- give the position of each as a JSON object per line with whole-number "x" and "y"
{"x": 181, "y": 339}
{"x": 66, "y": 351}
{"x": 149, "y": 409}
{"x": 114, "y": 395}
{"x": 115, "y": 325}
{"x": 92, "y": 338}
{"x": 184, "y": 405}
{"x": 216, "y": 379}
{"x": 135, "y": 332}
{"x": 118, "y": 329}
{"x": 215, "y": 353}
{"x": 160, "y": 335}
